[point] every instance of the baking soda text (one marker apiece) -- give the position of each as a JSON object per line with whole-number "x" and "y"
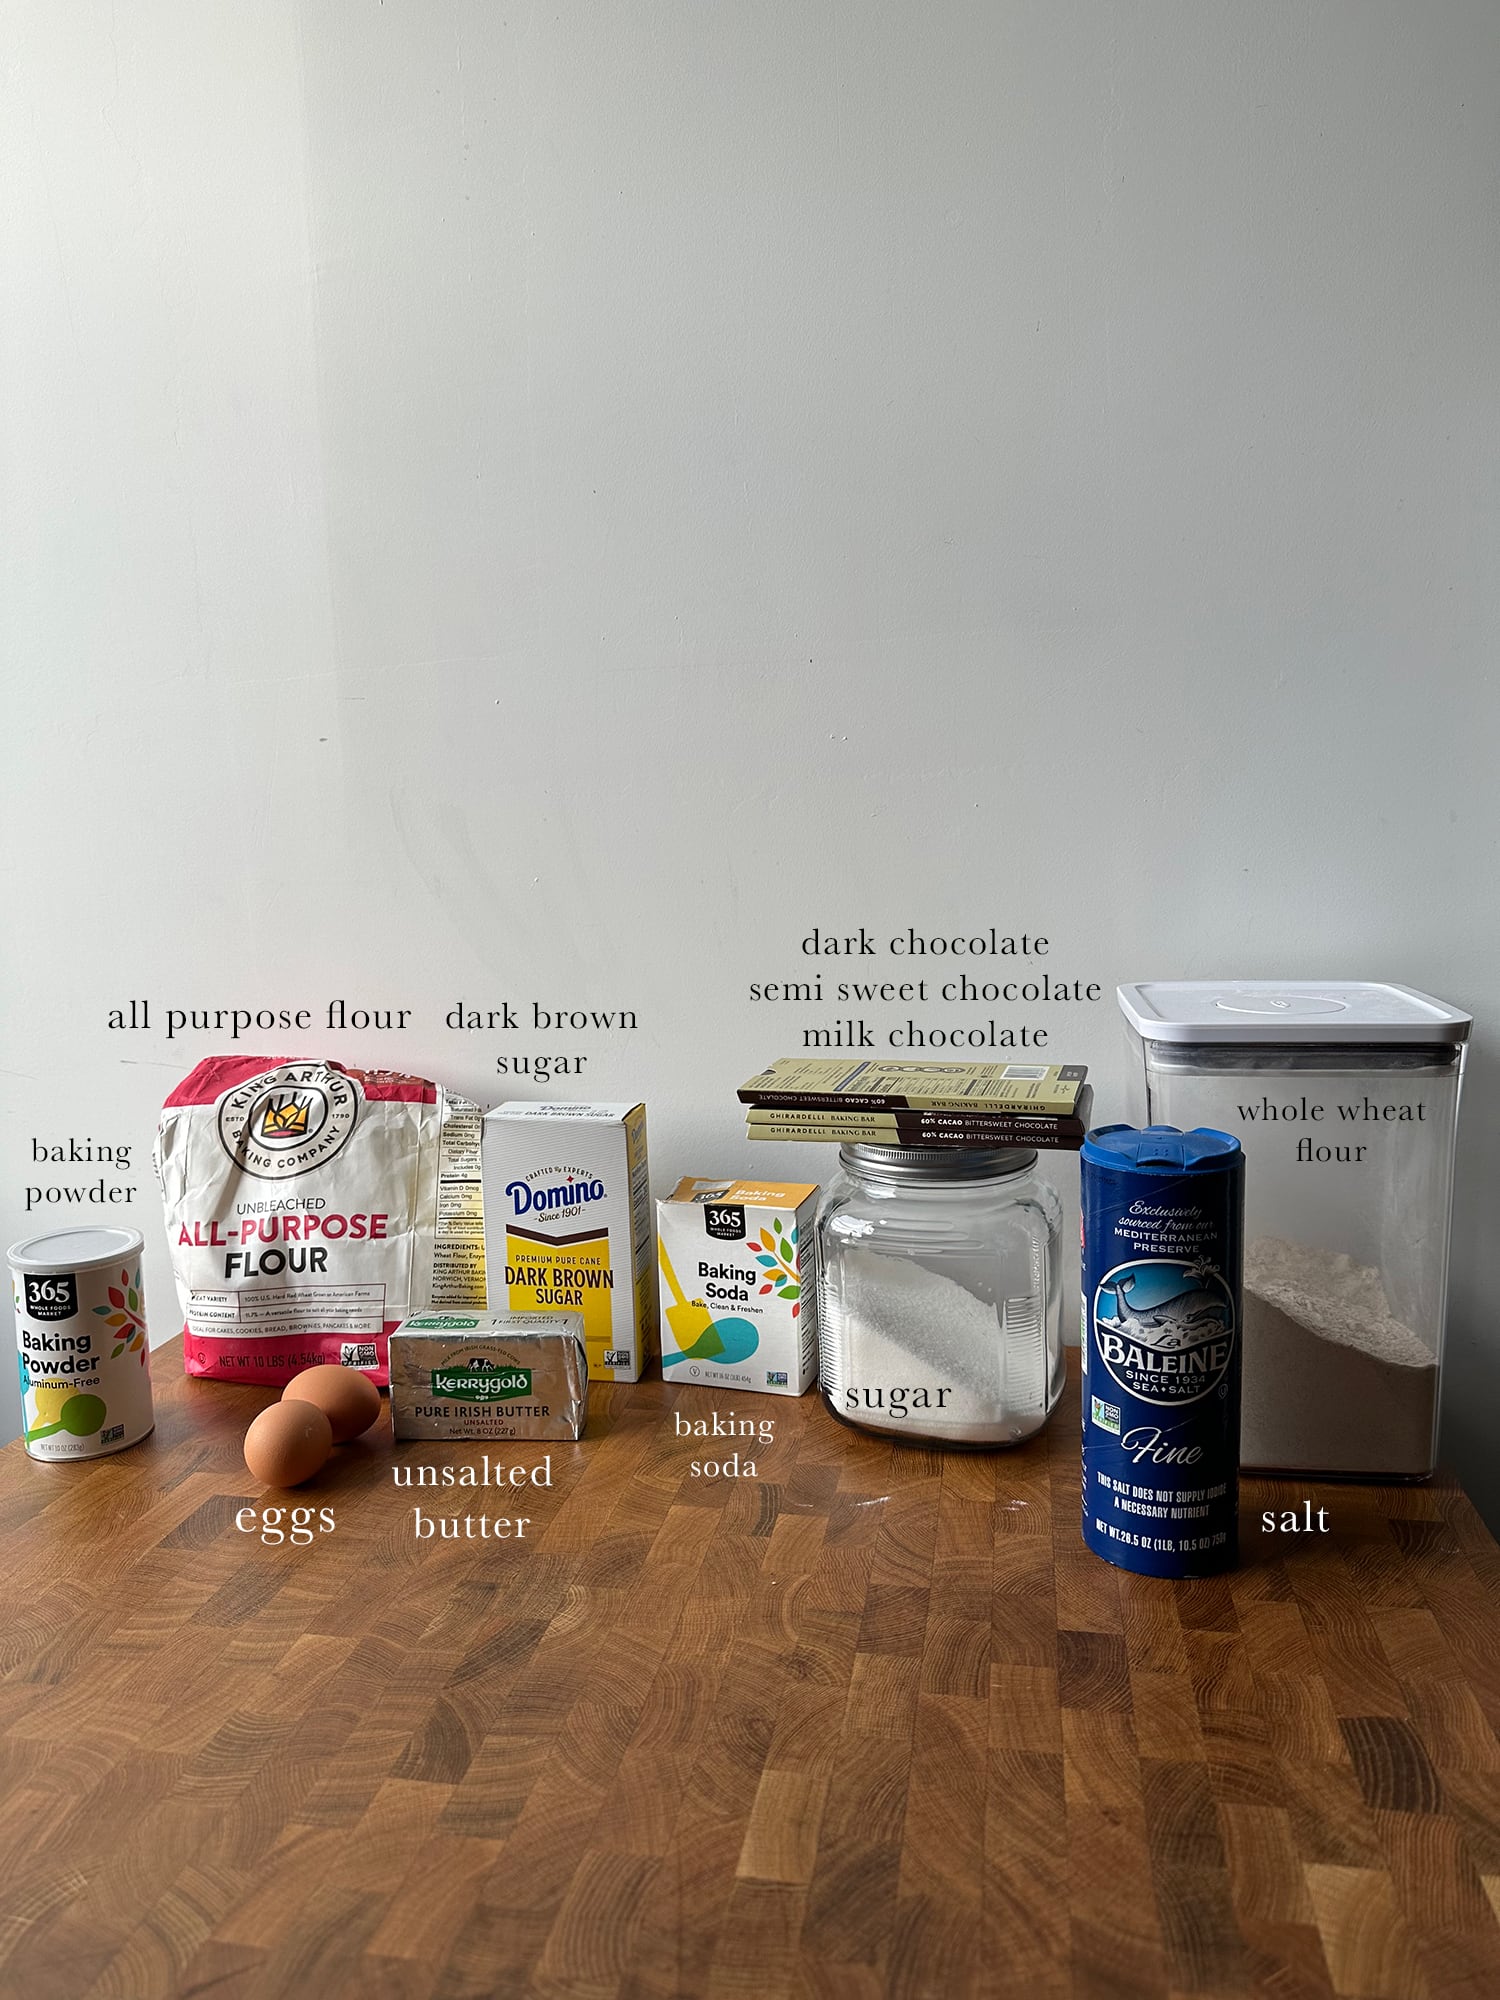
{"x": 733, "y": 1466}
{"x": 762, "y": 1429}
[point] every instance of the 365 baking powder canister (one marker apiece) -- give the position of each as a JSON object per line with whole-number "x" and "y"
{"x": 1163, "y": 1224}
{"x": 81, "y": 1333}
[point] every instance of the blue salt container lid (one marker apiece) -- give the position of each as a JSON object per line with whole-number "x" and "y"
{"x": 1155, "y": 1148}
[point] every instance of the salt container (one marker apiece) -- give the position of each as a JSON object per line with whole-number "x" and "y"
{"x": 1344, "y": 1096}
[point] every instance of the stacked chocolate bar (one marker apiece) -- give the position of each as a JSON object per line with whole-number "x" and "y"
{"x": 919, "y": 1103}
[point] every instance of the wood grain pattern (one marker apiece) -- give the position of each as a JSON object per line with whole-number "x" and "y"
{"x": 872, "y": 1723}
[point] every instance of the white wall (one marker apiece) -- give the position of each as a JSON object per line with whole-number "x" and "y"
{"x": 556, "y": 501}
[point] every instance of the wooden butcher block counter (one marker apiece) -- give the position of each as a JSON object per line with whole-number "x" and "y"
{"x": 867, "y": 1721}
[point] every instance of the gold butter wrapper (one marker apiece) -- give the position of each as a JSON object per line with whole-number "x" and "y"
{"x": 489, "y": 1375}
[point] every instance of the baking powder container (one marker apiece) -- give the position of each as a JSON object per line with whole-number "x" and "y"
{"x": 81, "y": 1335}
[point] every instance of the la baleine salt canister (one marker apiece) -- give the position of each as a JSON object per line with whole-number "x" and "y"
{"x": 1163, "y": 1230}
{"x": 81, "y": 1335}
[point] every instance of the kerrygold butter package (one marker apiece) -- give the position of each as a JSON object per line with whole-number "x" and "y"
{"x": 569, "y": 1224}
{"x": 489, "y": 1375}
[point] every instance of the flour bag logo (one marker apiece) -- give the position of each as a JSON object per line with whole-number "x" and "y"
{"x": 1165, "y": 1329}
{"x": 287, "y": 1121}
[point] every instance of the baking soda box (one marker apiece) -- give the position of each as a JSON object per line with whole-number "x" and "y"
{"x": 735, "y": 1260}
{"x": 570, "y": 1229}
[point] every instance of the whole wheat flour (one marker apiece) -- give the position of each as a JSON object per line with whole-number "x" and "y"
{"x": 1333, "y": 1382}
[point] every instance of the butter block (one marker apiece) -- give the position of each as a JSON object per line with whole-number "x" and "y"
{"x": 489, "y": 1375}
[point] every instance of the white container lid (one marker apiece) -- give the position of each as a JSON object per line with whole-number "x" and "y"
{"x": 75, "y": 1250}
{"x": 1288, "y": 1010}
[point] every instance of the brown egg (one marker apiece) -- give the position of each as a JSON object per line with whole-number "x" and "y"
{"x": 349, "y": 1400}
{"x": 288, "y": 1443}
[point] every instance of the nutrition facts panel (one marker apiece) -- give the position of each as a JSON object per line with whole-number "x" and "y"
{"x": 291, "y": 1309}
{"x": 458, "y": 1267}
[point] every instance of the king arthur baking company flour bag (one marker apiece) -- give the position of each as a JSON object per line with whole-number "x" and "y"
{"x": 311, "y": 1208}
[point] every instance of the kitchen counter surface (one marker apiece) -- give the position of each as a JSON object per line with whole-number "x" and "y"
{"x": 867, "y": 1722}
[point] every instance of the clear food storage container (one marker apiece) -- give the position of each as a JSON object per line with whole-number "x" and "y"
{"x": 1344, "y": 1096}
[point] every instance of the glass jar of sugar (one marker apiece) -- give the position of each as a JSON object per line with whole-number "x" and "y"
{"x": 939, "y": 1309}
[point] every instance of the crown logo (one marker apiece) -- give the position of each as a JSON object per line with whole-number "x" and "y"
{"x": 285, "y": 1120}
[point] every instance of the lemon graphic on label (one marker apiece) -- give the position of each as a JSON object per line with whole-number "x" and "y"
{"x": 59, "y": 1409}
{"x": 50, "y": 1397}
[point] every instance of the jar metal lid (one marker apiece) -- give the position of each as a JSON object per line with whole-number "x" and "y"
{"x": 938, "y": 1163}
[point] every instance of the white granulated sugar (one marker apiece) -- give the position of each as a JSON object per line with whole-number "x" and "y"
{"x": 902, "y": 1325}
{"x": 1333, "y": 1381}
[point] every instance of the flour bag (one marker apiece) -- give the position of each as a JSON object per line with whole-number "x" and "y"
{"x": 311, "y": 1208}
